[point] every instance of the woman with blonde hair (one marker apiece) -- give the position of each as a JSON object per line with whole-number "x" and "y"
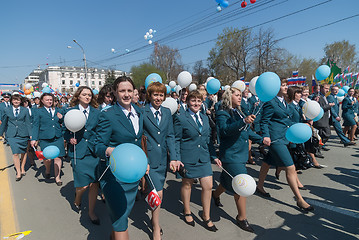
{"x": 234, "y": 133}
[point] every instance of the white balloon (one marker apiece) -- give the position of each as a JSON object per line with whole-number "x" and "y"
{"x": 37, "y": 94}
{"x": 209, "y": 78}
{"x": 249, "y": 95}
{"x": 74, "y": 120}
{"x": 184, "y": 79}
{"x": 170, "y": 103}
{"x": 240, "y": 85}
{"x": 147, "y": 33}
{"x": 244, "y": 185}
{"x": 145, "y": 37}
{"x": 192, "y": 87}
{"x": 252, "y": 85}
{"x": 27, "y": 86}
{"x": 178, "y": 88}
{"x": 112, "y": 50}
{"x": 226, "y": 87}
{"x": 150, "y": 36}
{"x": 311, "y": 109}
{"x": 172, "y": 84}
{"x": 150, "y": 42}
{"x": 340, "y": 99}
{"x": 44, "y": 85}
{"x": 29, "y": 96}
{"x": 150, "y": 31}
{"x": 15, "y": 93}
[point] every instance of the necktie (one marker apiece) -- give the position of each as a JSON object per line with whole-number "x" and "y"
{"x": 85, "y": 113}
{"x": 129, "y": 119}
{"x": 16, "y": 112}
{"x": 198, "y": 123}
{"x": 283, "y": 102}
{"x": 157, "y": 118}
{"x": 50, "y": 112}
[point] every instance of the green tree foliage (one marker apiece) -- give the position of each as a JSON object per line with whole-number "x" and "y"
{"x": 200, "y": 72}
{"x": 140, "y": 72}
{"x": 343, "y": 53}
{"x": 110, "y": 77}
{"x": 230, "y": 58}
{"x": 167, "y": 60}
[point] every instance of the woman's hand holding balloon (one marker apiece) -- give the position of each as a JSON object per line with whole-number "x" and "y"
{"x": 109, "y": 151}
{"x": 73, "y": 141}
{"x": 266, "y": 141}
{"x": 218, "y": 162}
{"x": 249, "y": 119}
{"x": 148, "y": 169}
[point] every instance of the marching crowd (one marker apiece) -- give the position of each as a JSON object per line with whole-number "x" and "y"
{"x": 205, "y": 129}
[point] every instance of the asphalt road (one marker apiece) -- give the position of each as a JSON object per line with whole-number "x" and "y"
{"x": 46, "y": 209}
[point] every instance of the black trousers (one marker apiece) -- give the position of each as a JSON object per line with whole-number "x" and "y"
{"x": 324, "y": 133}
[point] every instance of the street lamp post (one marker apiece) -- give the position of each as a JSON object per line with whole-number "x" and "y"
{"x": 83, "y": 51}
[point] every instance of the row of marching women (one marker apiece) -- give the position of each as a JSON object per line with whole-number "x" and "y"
{"x": 204, "y": 130}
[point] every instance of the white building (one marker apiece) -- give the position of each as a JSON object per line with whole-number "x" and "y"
{"x": 33, "y": 77}
{"x": 64, "y": 79}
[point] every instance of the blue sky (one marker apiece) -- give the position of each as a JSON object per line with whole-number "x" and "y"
{"x": 38, "y": 32}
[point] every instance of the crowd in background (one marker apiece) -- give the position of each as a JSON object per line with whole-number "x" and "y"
{"x": 220, "y": 128}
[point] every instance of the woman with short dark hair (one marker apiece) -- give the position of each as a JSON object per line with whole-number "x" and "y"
{"x": 16, "y": 123}
{"x": 195, "y": 151}
{"x": 47, "y": 131}
{"x": 122, "y": 123}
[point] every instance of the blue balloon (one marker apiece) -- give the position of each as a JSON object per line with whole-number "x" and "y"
{"x": 77, "y": 84}
{"x": 225, "y": 4}
{"x": 298, "y": 133}
{"x": 46, "y": 90}
{"x": 219, "y": 1}
{"x": 322, "y": 72}
{"x": 153, "y": 77}
{"x": 346, "y": 88}
{"x": 267, "y": 86}
{"x": 95, "y": 91}
{"x": 51, "y": 152}
{"x": 213, "y": 86}
{"x": 341, "y": 93}
{"x": 168, "y": 89}
{"x": 128, "y": 163}
{"x": 319, "y": 116}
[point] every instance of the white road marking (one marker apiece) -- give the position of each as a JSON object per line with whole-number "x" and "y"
{"x": 333, "y": 208}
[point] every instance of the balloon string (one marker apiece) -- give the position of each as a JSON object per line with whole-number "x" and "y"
{"x": 260, "y": 107}
{"x": 148, "y": 175}
{"x": 226, "y": 171}
{"x": 74, "y": 151}
{"x": 34, "y": 149}
{"x": 103, "y": 173}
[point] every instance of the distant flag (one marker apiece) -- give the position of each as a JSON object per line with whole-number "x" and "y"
{"x": 295, "y": 73}
{"x": 347, "y": 69}
{"x": 242, "y": 79}
{"x": 301, "y": 81}
{"x": 247, "y": 84}
{"x": 292, "y": 81}
{"x": 314, "y": 83}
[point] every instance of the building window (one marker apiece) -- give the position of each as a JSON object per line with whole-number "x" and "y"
{"x": 63, "y": 82}
{"x": 71, "y": 82}
{"x": 99, "y": 83}
{"x": 63, "y": 74}
{"x": 93, "y": 82}
{"x": 93, "y": 75}
{"x": 70, "y": 75}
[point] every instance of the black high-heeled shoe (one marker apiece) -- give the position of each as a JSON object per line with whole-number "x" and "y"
{"x": 191, "y": 223}
{"x": 244, "y": 225}
{"x": 209, "y": 228}
{"x": 262, "y": 194}
{"x": 276, "y": 173}
{"x": 217, "y": 200}
{"x": 307, "y": 209}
